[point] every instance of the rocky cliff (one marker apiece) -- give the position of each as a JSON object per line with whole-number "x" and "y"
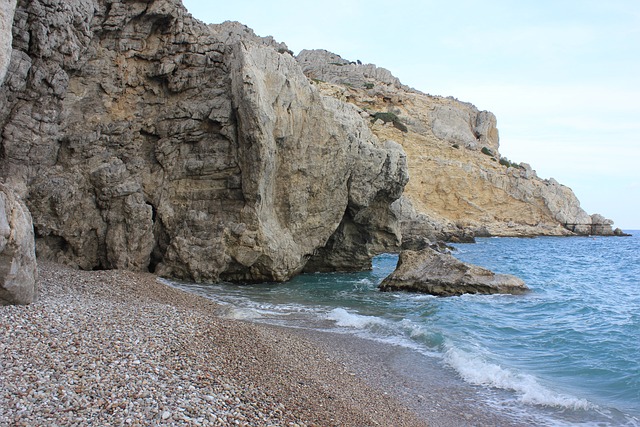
{"x": 141, "y": 138}
{"x": 460, "y": 184}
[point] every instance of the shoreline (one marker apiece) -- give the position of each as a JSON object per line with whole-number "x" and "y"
{"x": 120, "y": 348}
{"x": 115, "y": 347}
{"x": 434, "y": 393}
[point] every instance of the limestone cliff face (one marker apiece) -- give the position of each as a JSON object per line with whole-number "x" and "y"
{"x": 141, "y": 138}
{"x": 458, "y": 180}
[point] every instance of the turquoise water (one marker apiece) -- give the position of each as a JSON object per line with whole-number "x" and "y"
{"x": 568, "y": 353}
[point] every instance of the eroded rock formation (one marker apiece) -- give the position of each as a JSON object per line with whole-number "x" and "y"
{"x": 141, "y": 138}
{"x": 18, "y": 268}
{"x": 459, "y": 180}
{"x": 435, "y": 273}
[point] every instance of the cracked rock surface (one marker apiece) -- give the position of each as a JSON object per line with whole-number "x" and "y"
{"x": 143, "y": 139}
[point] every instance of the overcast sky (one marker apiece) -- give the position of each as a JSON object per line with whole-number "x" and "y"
{"x": 562, "y": 76}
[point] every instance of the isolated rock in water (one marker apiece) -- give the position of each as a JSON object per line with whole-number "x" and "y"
{"x": 435, "y": 273}
{"x": 17, "y": 251}
{"x": 7, "y": 9}
{"x": 619, "y": 232}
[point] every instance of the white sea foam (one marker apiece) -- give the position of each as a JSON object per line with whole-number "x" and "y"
{"x": 351, "y": 320}
{"x": 401, "y": 334}
{"x": 475, "y": 370}
{"x": 417, "y": 297}
{"x": 421, "y": 322}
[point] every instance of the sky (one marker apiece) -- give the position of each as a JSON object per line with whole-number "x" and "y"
{"x": 561, "y": 76}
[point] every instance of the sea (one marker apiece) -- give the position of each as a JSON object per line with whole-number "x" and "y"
{"x": 567, "y": 353}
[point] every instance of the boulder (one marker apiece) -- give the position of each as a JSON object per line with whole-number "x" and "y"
{"x": 7, "y": 10}
{"x": 440, "y": 274}
{"x": 620, "y": 233}
{"x": 462, "y": 124}
{"x": 17, "y": 251}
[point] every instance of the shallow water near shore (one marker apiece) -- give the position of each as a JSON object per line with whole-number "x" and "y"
{"x": 567, "y": 353}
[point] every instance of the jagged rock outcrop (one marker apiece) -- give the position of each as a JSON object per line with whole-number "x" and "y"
{"x": 465, "y": 126}
{"x": 435, "y": 273}
{"x": 141, "y": 138}
{"x": 459, "y": 180}
{"x": 230, "y": 32}
{"x": 620, "y": 233}
{"x": 18, "y": 268}
{"x": 323, "y": 65}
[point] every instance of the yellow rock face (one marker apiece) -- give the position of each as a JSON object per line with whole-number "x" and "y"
{"x": 454, "y": 165}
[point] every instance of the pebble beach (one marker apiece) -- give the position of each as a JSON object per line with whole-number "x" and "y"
{"x": 122, "y": 349}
